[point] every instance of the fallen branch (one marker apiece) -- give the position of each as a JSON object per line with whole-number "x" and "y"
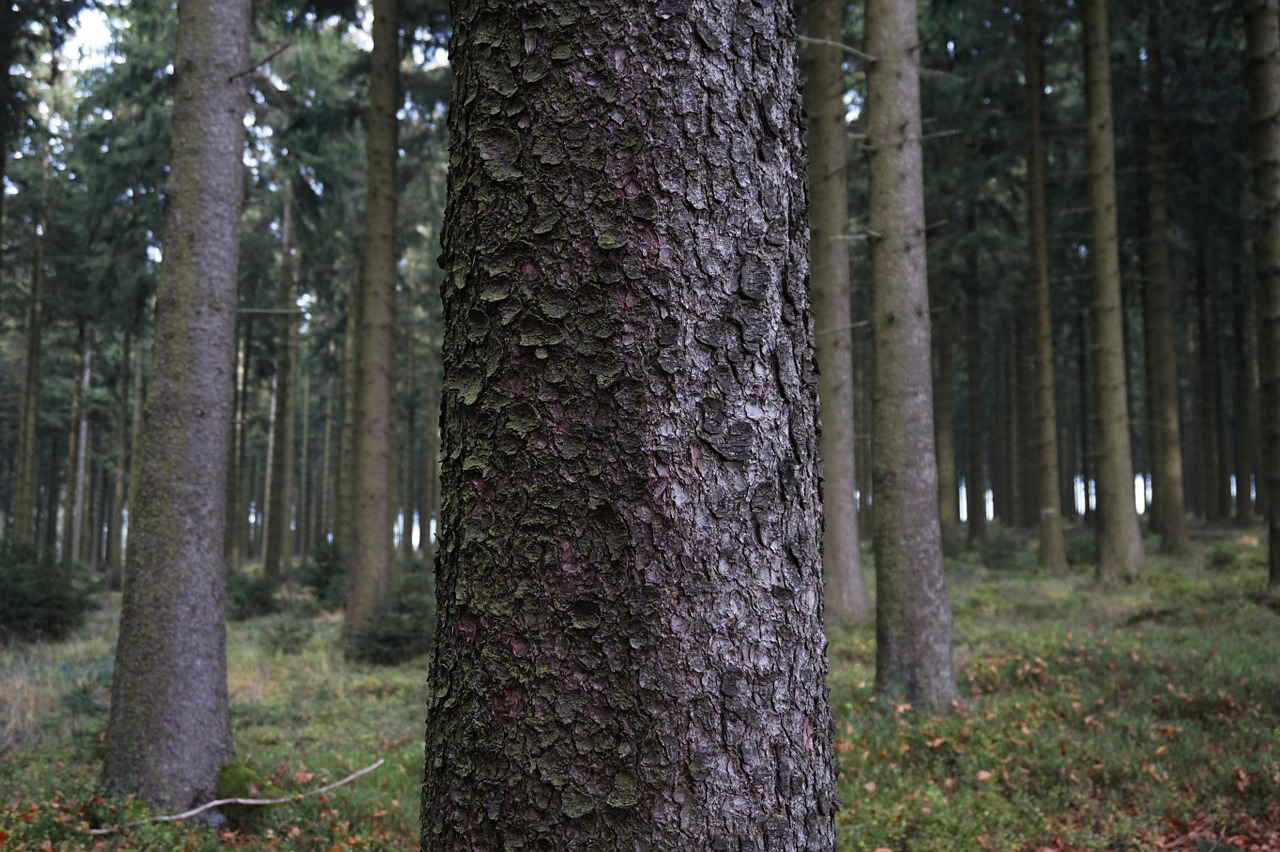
{"x": 219, "y": 802}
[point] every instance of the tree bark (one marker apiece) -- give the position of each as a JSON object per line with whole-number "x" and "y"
{"x": 1052, "y": 553}
{"x": 913, "y": 616}
{"x": 630, "y": 651}
{"x": 846, "y": 594}
{"x": 371, "y": 539}
{"x": 1120, "y": 553}
{"x": 1262, "y": 52}
{"x": 169, "y": 728}
{"x": 1157, "y": 292}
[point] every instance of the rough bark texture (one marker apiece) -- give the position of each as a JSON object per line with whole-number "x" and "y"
{"x": 913, "y": 616}
{"x": 1120, "y": 553}
{"x": 1157, "y": 300}
{"x": 1053, "y": 557}
{"x": 370, "y": 569}
{"x": 1263, "y": 73}
{"x": 630, "y": 651}
{"x": 169, "y": 728}
{"x": 846, "y": 594}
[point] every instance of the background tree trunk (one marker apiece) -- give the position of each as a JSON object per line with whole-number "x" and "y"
{"x": 278, "y": 550}
{"x": 913, "y": 616}
{"x": 944, "y": 410}
{"x": 1052, "y": 553}
{"x": 170, "y": 728}
{"x": 1262, "y": 53}
{"x": 115, "y": 528}
{"x": 29, "y": 411}
{"x": 371, "y": 541}
{"x": 975, "y": 473}
{"x": 1120, "y": 553}
{"x": 846, "y": 594}
{"x": 630, "y": 651}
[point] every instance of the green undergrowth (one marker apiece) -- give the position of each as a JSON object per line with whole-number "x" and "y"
{"x": 1090, "y": 718}
{"x": 301, "y": 718}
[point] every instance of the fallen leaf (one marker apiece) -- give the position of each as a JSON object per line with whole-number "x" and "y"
{"x": 870, "y": 786}
{"x": 984, "y": 776}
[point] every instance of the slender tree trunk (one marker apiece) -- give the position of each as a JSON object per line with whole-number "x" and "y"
{"x": 115, "y": 524}
{"x": 304, "y": 490}
{"x": 1085, "y": 421}
{"x": 1246, "y": 410}
{"x": 975, "y": 474}
{"x": 913, "y": 616}
{"x": 277, "y": 546}
{"x": 1262, "y": 53}
{"x": 73, "y": 490}
{"x": 139, "y": 395}
{"x": 344, "y": 490}
{"x": 1166, "y": 469}
{"x": 631, "y": 515}
{"x": 29, "y": 411}
{"x": 431, "y": 450}
{"x": 170, "y": 729}
{"x": 846, "y": 594}
{"x": 232, "y": 534}
{"x": 371, "y": 539}
{"x": 1120, "y": 553}
{"x": 1052, "y": 554}
{"x": 407, "y": 443}
{"x": 944, "y": 411}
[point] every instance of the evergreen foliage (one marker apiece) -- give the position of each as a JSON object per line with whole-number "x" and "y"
{"x": 42, "y": 600}
{"x": 402, "y": 628}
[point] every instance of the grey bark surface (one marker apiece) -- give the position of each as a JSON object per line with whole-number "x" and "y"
{"x": 169, "y": 728}
{"x": 372, "y": 487}
{"x": 913, "y": 615}
{"x": 1120, "y": 553}
{"x": 829, "y": 286}
{"x": 630, "y": 651}
{"x": 1052, "y": 552}
{"x": 1262, "y": 53}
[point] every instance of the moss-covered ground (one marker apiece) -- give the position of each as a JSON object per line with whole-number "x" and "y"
{"x": 1145, "y": 716}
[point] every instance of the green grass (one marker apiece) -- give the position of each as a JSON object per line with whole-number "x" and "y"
{"x": 1091, "y": 719}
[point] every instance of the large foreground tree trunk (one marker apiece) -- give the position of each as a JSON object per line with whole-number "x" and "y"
{"x": 1263, "y": 71}
{"x": 169, "y": 729}
{"x": 630, "y": 651}
{"x": 913, "y": 616}
{"x": 370, "y": 569}
{"x": 1053, "y": 557}
{"x": 846, "y": 594}
{"x": 1120, "y": 553}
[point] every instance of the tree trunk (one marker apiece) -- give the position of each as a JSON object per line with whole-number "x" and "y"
{"x": 136, "y": 420}
{"x": 630, "y": 650}
{"x": 303, "y": 500}
{"x": 1262, "y": 53}
{"x": 846, "y": 594}
{"x": 169, "y": 728}
{"x": 1120, "y": 553}
{"x": 1052, "y": 553}
{"x": 913, "y": 616}
{"x": 431, "y": 450}
{"x": 28, "y": 435}
{"x": 73, "y": 492}
{"x": 235, "y": 461}
{"x": 944, "y": 412}
{"x": 371, "y": 539}
{"x": 975, "y": 473}
{"x": 278, "y": 548}
{"x": 115, "y": 525}
{"x": 1157, "y": 291}
{"x": 1246, "y": 377}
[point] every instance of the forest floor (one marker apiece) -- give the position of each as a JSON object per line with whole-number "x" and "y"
{"x": 1141, "y": 717}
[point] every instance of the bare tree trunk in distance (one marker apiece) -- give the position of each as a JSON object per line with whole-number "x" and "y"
{"x": 1120, "y": 553}
{"x": 975, "y": 472}
{"x": 630, "y": 652}
{"x": 170, "y": 727}
{"x": 1157, "y": 300}
{"x": 24, "y": 512}
{"x": 371, "y": 542}
{"x": 1262, "y": 69}
{"x": 277, "y": 549}
{"x": 73, "y": 488}
{"x": 115, "y": 524}
{"x": 944, "y": 410}
{"x": 846, "y": 594}
{"x": 913, "y": 615}
{"x": 1053, "y": 556}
